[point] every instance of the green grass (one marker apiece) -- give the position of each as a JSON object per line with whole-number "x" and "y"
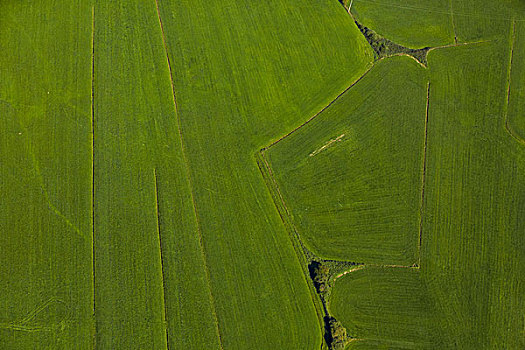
{"x": 133, "y": 214}
{"x": 351, "y": 178}
{"x": 245, "y": 73}
{"x": 412, "y": 23}
{"x": 142, "y": 194}
{"x": 386, "y": 305}
{"x": 470, "y": 280}
{"x": 516, "y": 108}
{"x": 484, "y": 21}
{"x": 473, "y": 231}
{"x": 188, "y": 247}
{"x": 46, "y": 282}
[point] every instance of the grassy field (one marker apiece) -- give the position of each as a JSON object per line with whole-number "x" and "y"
{"x": 471, "y": 273}
{"x": 387, "y": 305}
{"x": 412, "y": 23}
{"x": 157, "y": 158}
{"x": 475, "y": 21}
{"x": 351, "y": 178}
{"x": 150, "y": 277}
{"x": 515, "y": 113}
{"x": 173, "y": 237}
{"x": 473, "y": 231}
{"x": 245, "y": 73}
{"x": 46, "y": 282}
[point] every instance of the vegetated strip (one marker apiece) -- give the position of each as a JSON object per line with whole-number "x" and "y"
{"x": 364, "y": 266}
{"x": 507, "y": 99}
{"x": 423, "y": 176}
{"x": 165, "y": 310}
{"x": 460, "y": 44}
{"x": 322, "y": 110}
{"x": 299, "y": 248}
{"x": 190, "y": 182}
{"x": 430, "y": 10}
{"x": 93, "y": 167}
{"x": 453, "y": 22}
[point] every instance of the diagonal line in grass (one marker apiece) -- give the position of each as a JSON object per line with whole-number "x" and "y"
{"x": 164, "y": 309}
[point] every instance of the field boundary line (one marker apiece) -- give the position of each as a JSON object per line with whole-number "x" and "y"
{"x": 93, "y": 171}
{"x": 464, "y": 14}
{"x": 423, "y": 176}
{"x": 190, "y": 182}
{"x": 508, "y": 127}
{"x": 322, "y": 110}
{"x": 157, "y": 215}
{"x": 289, "y": 226}
{"x": 459, "y": 44}
{"x": 453, "y": 22}
{"x": 377, "y": 266}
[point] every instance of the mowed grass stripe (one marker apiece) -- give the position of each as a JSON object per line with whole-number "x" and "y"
{"x": 92, "y": 107}
{"x": 45, "y": 220}
{"x": 423, "y": 175}
{"x": 188, "y": 175}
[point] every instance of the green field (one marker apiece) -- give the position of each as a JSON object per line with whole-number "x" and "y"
{"x": 252, "y": 175}
{"x": 387, "y": 305}
{"x": 412, "y": 23}
{"x": 355, "y": 192}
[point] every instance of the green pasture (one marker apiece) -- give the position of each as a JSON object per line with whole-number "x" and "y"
{"x": 515, "y": 113}
{"x": 150, "y": 280}
{"x": 352, "y": 177}
{"x": 471, "y": 272}
{"x": 137, "y": 210}
{"x": 246, "y": 73}
{"x": 172, "y": 236}
{"x": 387, "y": 305}
{"x": 473, "y": 227}
{"x": 46, "y": 281}
{"x": 412, "y": 23}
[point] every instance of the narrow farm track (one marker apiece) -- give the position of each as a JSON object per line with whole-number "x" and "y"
{"x": 190, "y": 182}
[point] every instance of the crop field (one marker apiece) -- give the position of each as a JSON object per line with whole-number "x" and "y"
{"x": 262, "y": 174}
{"x": 355, "y": 193}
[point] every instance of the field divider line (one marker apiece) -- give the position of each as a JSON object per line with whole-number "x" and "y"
{"x": 459, "y": 44}
{"x": 423, "y": 177}
{"x": 157, "y": 215}
{"x": 190, "y": 183}
{"x": 289, "y": 226}
{"x": 453, "y": 22}
{"x": 93, "y": 171}
{"x": 507, "y": 125}
{"x": 430, "y": 10}
{"x": 322, "y": 110}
